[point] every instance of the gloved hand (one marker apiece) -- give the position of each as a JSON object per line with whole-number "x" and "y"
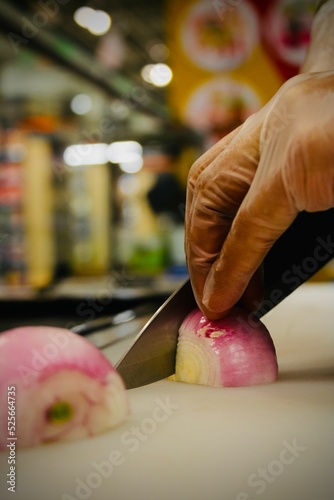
{"x": 247, "y": 189}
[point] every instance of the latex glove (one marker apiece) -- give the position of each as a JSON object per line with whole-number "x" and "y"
{"x": 246, "y": 190}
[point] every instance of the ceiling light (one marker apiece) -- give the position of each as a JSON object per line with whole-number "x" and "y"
{"x": 158, "y": 74}
{"x": 85, "y": 154}
{"x": 124, "y": 152}
{"x": 146, "y": 72}
{"x": 81, "y": 104}
{"x": 161, "y": 75}
{"x": 99, "y": 23}
{"x": 83, "y": 15}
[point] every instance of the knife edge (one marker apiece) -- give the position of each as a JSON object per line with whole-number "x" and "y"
{"x": 151, "y": 356}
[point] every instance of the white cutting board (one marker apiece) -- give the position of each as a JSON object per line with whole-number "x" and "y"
{"x": 185, "y": 442}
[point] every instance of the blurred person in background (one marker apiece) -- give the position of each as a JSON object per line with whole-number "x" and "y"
{"x": 167, "y": 194}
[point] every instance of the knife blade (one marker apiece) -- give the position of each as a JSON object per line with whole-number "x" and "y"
{"x": 297, "y": 255}
{"x": 151, "y": 357}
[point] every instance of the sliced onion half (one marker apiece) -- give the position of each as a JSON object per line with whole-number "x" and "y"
{"x": 232, "y": 352}
{"x": 58, "y": 385}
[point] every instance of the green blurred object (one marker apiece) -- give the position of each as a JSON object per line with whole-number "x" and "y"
{"x": 150, "y": 258}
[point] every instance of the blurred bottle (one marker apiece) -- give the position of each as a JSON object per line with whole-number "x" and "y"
{"x": 140, "y": 248}
{"x": 89, "y": 219}
{"x": 26, "y": 225}
{"x": 38, "y": 210}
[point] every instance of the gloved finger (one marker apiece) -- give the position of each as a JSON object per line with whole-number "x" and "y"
{"x": 216, "y": 197}
{"x": 204, "y": 161}
{"x": 261, "y": 219}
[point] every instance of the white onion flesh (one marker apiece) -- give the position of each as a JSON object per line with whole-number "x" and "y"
{"x": 232, "y": 352}
{"x": 65, "y": 388}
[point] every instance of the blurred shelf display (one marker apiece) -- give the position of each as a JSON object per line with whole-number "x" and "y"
{"x": 67, "y": 229}
{"x": 88, "y": 213}
{"x": 26, "y": 210}
{"x": 117, "y": 285}
{"x": 47, "y": 220}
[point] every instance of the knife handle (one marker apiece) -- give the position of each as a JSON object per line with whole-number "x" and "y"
{"x": 302, "y": 250}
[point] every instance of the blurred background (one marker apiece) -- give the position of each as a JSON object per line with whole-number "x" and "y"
{"x": 105, "y": 105}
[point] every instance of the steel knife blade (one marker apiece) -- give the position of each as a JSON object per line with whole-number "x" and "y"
{"x": 151, "y": 357}
{"x": 297, "y": 255}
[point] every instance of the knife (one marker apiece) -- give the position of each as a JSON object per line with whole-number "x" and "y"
{"x": 103, "y": 322}
{"x": 306, "y": 246}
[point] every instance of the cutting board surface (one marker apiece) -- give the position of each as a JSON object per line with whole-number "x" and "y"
{"x": 185, "y": 442}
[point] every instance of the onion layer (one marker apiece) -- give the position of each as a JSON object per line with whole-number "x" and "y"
{"x": 230, "y": 352}
{"x": 62, "y": 387}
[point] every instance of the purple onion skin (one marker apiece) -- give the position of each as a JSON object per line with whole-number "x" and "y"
{"x": 242, "y": 346}
{"x": 57, "y": 386}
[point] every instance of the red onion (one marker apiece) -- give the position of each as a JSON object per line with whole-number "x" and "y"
{"x": 62, "y": 387}
{"x": 230, "y": 352}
